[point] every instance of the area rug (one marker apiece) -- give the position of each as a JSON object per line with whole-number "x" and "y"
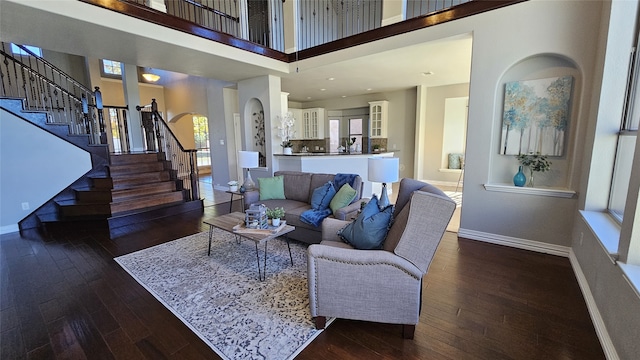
{"x": 221, "y": 299}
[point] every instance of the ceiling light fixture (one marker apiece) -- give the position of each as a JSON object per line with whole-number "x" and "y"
{"x": 151, "y": 77}
{"x": 323, "y": 89}
{"x": 427, "y": 73}
{"x": 331, "y": 79}
{"x": 369, "y": 89}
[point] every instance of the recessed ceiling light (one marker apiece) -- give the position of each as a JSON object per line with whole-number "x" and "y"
{"x": 323, "y": 89}
{"x": 331, "y": 79}
{"x": 308, "y": 97}
{"x": 369, "y": 89}
{"x": 427, "y": 73}
{"x": 344, "y": 96}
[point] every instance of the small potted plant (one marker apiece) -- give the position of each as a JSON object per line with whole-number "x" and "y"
{"x": 233, "y": 185}
{"x": 535, "y": 162}
{"x": 275, "y": 215}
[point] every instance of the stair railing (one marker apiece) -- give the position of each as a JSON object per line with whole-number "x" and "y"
{"x": 160, "y": 138}
{"x": 46, "y": 88}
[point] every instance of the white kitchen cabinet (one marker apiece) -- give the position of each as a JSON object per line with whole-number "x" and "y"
{"x": 378, "y": 118}
{"x": 312, "y": 123}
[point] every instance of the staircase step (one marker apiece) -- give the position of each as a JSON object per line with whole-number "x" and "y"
{"x": 101, "y": 182}
{"x": 145, "y": 201}
{"x": 117, "y": 170}
{"x": 146, "y": 189}
{"x": 123, "y": 159}
{"x": 94, "y": 195}
{"x": 127, "y": 180}
{"x": 75, "y": 208}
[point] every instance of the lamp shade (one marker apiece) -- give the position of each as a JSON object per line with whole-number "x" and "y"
{"x": 383, "y": 169}
{"x": 248, "y": 159}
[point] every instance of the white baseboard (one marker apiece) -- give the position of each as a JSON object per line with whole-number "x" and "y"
{"x": 443, "y": 183}
{"x": 9, "y": 229}
{"x": 598, "y": 323}
{"x": 515, "y": 242}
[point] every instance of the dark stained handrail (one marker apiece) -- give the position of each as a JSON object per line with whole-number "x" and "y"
{"x": 162, "y": 139}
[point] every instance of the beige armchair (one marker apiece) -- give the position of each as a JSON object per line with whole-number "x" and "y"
{"x": 380, "y": 285}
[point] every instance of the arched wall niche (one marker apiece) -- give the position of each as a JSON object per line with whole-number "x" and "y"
{"x": 541, "y": 66}
{"x": 254, "y": 129}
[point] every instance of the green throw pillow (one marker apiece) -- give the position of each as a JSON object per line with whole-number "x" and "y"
{"x": 342, "y": 198}
{"x": 271, "y": 188}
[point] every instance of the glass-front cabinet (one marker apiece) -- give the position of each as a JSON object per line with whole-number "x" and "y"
{"x": 378, "y": 118}
{"x": 313, "y": 123}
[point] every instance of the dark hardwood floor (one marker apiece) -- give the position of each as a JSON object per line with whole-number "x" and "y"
{"x": 62, "y": 296}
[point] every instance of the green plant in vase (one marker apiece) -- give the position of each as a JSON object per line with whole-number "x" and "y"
{"x": 275, "y": 215}
{"x": 535, "y": 163}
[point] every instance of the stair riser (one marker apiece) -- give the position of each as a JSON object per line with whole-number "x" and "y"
{"x": 157, "y": 189}
{"x": 146, "y": 201}
{"x": 136, "y": 168}
{"x": 133, "y": 159}
{"x": 139, "y": 179}
{"x": 94, "y": 196}
{"x": 84, "y": 210}
{"x": 102, "y": 183}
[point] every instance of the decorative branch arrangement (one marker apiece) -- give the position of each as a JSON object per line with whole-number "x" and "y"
{"x": 285, "y": 130}
{"x": 535, "y": 162}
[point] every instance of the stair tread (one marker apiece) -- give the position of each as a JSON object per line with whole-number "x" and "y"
{"x": 142, "y": 196}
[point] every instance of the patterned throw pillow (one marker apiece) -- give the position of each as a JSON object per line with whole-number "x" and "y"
{"x": 370, "y": 229}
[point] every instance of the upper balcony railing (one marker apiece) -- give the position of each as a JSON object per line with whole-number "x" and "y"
{"x": 320, "y": 26}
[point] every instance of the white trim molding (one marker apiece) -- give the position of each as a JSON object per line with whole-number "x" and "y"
{"x": 525, "y": 244}
{"x": 598, "y": 323}
{"x": 562, "y": 193}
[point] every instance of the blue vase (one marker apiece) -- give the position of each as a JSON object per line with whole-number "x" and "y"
{"x": 519, "y": 179}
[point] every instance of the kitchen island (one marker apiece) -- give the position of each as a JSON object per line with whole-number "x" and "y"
{"x": 333, "y": 163}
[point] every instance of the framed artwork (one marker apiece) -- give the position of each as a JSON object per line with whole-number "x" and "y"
{"x": 536, "y": 115}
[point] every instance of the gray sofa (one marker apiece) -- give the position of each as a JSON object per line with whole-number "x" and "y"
{"x": 298, "y": 188}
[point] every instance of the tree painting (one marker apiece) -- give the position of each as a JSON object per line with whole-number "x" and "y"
{"x": 535, "y": 116}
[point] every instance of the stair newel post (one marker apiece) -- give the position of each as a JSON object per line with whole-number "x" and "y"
{"x": 99, "y": 107}
{"x": 154, "y": 113}
{"x": 193, "y": 175}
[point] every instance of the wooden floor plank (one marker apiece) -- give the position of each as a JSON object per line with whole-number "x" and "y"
{"x": 63, "y": 296}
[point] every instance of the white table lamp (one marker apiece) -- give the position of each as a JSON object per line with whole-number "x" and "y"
{"x": 248, "y": 160}
{"x": 384, "y": 170}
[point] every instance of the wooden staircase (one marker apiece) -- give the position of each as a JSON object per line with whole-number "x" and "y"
{"x": 135, "y": 182}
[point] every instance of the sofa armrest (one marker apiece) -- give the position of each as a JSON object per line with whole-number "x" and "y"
{"x": 350, "y": 211}
{"x": 251, "y": 197}
{"x": 330, "y": 229}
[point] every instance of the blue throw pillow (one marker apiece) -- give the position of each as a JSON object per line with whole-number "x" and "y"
{"x": 321, "y": 196}
{"x": 370, "y": 229}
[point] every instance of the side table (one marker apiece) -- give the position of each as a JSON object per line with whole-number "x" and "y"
{"x": 238, "y": 193}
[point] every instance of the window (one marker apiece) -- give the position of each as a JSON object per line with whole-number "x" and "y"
{"x": 111, "y": 68}
{"x": 16, "y": 50}
{"x": 201, "y": 137}
{"x": 626, "y": 141}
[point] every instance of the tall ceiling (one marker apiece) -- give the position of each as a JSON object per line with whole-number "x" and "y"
{"x": 82, "y": 29}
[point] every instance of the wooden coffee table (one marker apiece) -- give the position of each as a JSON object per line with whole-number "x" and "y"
{"x": 230, "y": 222}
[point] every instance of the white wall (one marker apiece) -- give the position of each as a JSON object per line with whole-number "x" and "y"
{"x": 29, "y": 156}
